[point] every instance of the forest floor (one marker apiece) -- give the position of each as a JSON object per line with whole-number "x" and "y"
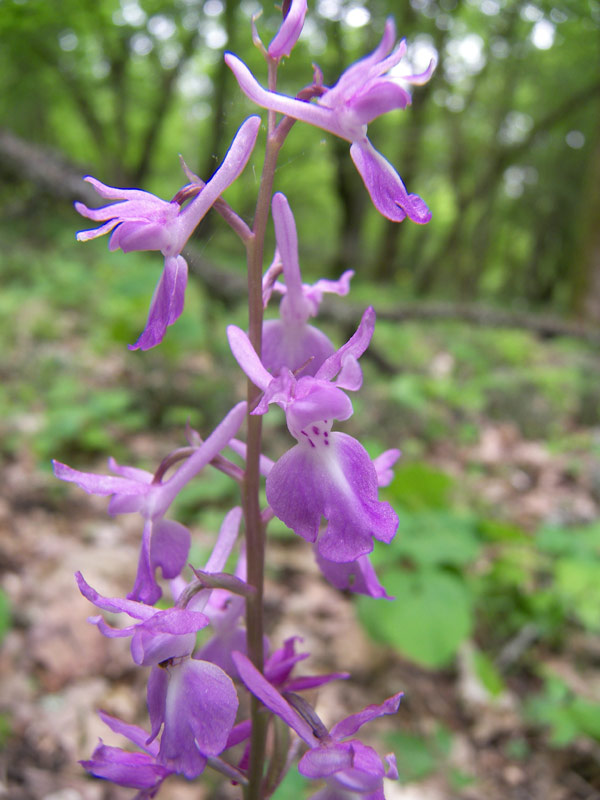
{"x": 55, "y": 669}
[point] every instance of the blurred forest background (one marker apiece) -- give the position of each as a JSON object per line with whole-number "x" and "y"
{"x": 484, "y": 369}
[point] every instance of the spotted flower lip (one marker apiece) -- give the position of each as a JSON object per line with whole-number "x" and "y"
{"x": 138, "y": 220}
{"x": 363, "y": 92}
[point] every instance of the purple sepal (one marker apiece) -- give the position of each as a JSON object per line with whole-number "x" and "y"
{"x": 356, "y": 576}
{"x": 289, "y": 30}
{"x": 266, "y": 693}
{"x": 383, "y": 466}
{"x": 131, "y": 770}
{"x": 294, "y": 346}
{"x": 134, "y": 733}
{"x": 167, "y": 303}
{"x": 350, "y": 725}
{"x": 337, "y": 482}
{"x": 102, "y": 484}
{"x": 385, "y": 186}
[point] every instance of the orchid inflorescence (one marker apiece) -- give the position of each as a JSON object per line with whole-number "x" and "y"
{"x": 324, "y": 488}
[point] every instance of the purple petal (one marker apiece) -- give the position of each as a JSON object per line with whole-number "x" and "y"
{"x": 167, "y": 303}
{"x": 315, "y": 402}
{"x": 239, "y": 733}
{"x": 326, "y": 760}
{"x": 158, "y": 684}
{"x": 169, "y": 547}
{"x": 289, "y": 31}
{"x": 200, "y": 710}
{"x": 141, "y": 235}
{"x": 114, "y": 193}
{"x": 356, "y": 576}
{"x": 228, "y": 534}
{"x": 385, "y": 186}
{"x": 366, "y": 773}
{"x": 350, "y": 725}
{"x": 94, "y": 233}
{"x": 381, "y": 96}
{"x": 145, "y": 587}
{"x": 267, "y": 694}
{"x": 355, "y": 347}
{"x": 167, "y": 634}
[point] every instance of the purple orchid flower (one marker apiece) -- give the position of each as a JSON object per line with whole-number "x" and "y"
{"x": 363, "y": 92}
{"x": 165, "y": 543}
{"x": 289, "y": 30}
{"x": 327, "y": 474}
{"x": 350, "y": 768}
{"x": 195, "y": 703}
{"x": 142, "y": 221}
{"x": 289, "y": 341}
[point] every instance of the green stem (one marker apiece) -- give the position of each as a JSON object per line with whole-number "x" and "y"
{"x": 255, "y": 529}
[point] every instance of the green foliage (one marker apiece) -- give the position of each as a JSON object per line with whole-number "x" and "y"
{"x": 566, "y": 714}
{"x": 417, "y": 756}
{"x": 293, "y": 785}
{"x": 429, "y": 618}
{"x": 5, "y": 615}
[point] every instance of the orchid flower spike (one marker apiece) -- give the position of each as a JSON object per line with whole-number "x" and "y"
{"x": 289, "y": 341}
{"x": 141, "y": 221}
{"x": 363, "y": 92}
{"x": 350, "y": 768}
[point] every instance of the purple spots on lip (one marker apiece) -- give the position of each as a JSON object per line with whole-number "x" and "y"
{"x": 315, "y": 430}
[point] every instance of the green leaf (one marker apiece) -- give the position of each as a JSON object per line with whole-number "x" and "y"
{"x": 578, "y": 581}
{"x": 418, "y": 486}
{"x": 487, "y": 673}
{"x": 430, "y": 538}
{"x": 429, "y": 619}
